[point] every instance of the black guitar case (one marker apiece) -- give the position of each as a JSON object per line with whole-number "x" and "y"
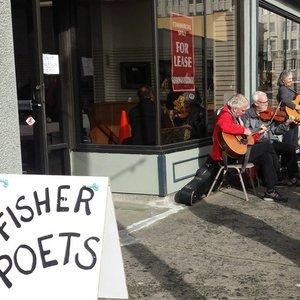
{"x": 200, "y": 185}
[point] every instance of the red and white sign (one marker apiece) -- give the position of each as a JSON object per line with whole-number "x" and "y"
{"x": 30, "y": 120}
{"x": 182, "y": 44}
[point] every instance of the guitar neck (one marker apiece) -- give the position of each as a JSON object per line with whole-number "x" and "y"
{"x": 293, "y": 91}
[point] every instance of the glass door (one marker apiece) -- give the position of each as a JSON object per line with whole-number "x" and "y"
{"x": 43, "y": 143}
{"x": 53, "y": 70}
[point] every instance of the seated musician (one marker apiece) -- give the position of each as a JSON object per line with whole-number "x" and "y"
{"x": 285, "y": 97}
{"x": 270, "y": 132}
{"x": 228, "y": 121}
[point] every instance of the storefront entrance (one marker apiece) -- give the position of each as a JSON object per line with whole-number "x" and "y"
{"x": 39, "y": 87}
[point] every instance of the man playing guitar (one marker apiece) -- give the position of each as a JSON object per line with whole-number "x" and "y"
{"x": 270, "y": 131}
{"x": 228, "y": 121}
{"x": 285, "y": 96}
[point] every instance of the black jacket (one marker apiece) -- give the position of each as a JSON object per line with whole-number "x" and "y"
{"x": 286, "y": 96}
{"x": 142, "y": 119}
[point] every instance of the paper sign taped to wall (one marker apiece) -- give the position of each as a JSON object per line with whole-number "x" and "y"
{"x": 55, "y": 232}
{"x": 87, "y": 66}
{"x": 50, "y": 64}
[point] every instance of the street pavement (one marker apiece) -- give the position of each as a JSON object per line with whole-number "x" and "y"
{"x": 220, "y": 248}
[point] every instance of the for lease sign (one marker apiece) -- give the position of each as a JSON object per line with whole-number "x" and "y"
{"x": 182, "y": 46}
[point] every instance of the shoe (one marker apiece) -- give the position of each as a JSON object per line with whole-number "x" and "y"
{"x": 274, "y": 196}
{"x": 293, "y": 182}
{"x": 281, "y": 183}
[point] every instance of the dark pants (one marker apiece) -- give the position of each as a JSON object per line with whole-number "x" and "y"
{"x": 263, "y": 156}
{"x": 291, "y": 136}
{"x": 288, "y": 153}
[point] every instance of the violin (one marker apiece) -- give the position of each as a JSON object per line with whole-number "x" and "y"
{"x": 271, "y": 113}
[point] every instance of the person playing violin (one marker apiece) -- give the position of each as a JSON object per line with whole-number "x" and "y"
{"x": 261, "y": 155}
{"x": 269, "y": 132}
{"x": 285, "y": 96}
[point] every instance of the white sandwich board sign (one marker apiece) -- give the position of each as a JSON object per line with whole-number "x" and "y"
{"x": 59, "y": 239}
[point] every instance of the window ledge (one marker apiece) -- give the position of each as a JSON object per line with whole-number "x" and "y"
{"x": 138, "y": 149}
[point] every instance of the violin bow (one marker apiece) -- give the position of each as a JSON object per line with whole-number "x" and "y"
{"x": 276, "y": 110}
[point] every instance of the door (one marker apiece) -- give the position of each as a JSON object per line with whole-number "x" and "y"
{"x": 42, "y": 130}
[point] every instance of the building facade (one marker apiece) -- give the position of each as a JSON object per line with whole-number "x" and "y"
{"x": 70, "y": 71}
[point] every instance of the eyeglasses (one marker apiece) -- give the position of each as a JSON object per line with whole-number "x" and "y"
{"x": 263, "y": 103}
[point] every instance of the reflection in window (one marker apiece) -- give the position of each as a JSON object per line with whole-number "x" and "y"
{"x": 181, "y": 63}
{"x": 285, "y": 44}
{"x": 182, "y": 106}
{"x": 115, "y": 57}
{"x": 273, "y": 45}
{"x": 294, "y": 26}
{"x": 221, "y": 56}
{"x": 293, "y": 64}
{"x": 274, "y": 55}
{"x": 293, "y": 44}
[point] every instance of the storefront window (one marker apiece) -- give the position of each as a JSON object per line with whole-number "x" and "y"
{"x": 193, "y": 83}
{"x": 116, "y": 57}
{"x": 278, "y": 50}
{"x": 222, "y": 55}
{"x": 181, "y": 67}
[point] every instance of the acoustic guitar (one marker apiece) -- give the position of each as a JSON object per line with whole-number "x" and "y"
{"x": 235, "y": 145}
{"x": 293, "y": 113}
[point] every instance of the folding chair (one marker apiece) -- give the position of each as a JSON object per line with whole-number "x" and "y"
{"x": 238, "y": 167}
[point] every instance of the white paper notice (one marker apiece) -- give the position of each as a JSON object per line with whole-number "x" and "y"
{"x": 87, "y": 66}
{"x": 50, "y": 64}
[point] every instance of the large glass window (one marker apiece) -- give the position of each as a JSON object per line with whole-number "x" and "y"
{"x": 116, "y": 58}
{"x": 196, "y": 61}
{"x": 194, "y": 82}
{"x": 222, "y": 55}
{"x": 278, "y": 50}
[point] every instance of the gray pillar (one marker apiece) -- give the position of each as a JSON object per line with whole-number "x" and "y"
{"x": 10, "y": 152}
{"x": 248, "y": 21}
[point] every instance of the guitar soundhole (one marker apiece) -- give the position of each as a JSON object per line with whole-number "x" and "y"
{"x": 244, "y": 139}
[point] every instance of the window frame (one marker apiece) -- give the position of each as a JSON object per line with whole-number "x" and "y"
{"x": 295, "y": 44}
{"x": 272, "y": 28}
{"x": 274, "y": 9}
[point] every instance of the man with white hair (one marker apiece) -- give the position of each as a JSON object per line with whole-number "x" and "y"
{"x": 228, "y": 121}
{"x": 269, "y": 132}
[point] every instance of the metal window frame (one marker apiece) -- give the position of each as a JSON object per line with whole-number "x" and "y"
{"x": 277, "y": 10}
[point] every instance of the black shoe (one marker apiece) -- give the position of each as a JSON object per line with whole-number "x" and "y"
{"x": 293, "y": 182}
{"x": 274, "y": 196}
{"x": 281, "y": 183}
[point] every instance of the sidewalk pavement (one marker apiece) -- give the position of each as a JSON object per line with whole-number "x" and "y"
{"x": 222, "y": 247}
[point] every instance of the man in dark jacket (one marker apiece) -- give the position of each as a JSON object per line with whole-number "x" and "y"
{"x": 142, "y": 118}
{"x": 285, "y": 96}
